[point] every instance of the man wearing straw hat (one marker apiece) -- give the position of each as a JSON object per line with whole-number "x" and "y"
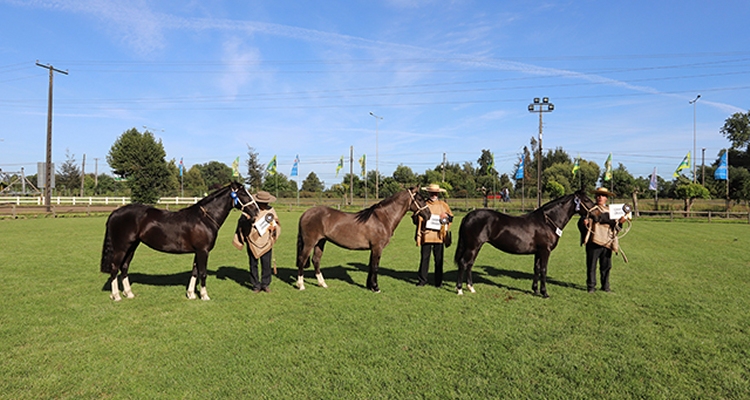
{"x": 260, "y": 237}
{"x": 433, "y": 235}
{"x": 599, "y": 222}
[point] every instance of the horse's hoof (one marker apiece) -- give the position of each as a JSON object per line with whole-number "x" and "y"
{"x": 545, "y": 296}
{"x": 205, "y": 298}
{"x": 324, "y": 285}
{"x": 471, "y": 289}
{"x": 375, "y": 289}
{"x": 190, "y": 295}
{"x": 302, "y": 287}
{"x": 115, "y": 297}
{"x": 460, "y": 292}
{"x": 129, "y": 295}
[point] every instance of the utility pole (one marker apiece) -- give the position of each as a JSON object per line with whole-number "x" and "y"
{"x": 96, "y": 173}
{"x": 536, "y": 106}
{"x": 83, "y": 172}
{"x": 351, "y": 175}
{"x": 48, "y": 166}
{"x": 443, "y": 168}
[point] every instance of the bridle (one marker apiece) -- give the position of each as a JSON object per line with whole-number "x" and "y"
{"x": 414, "y": 200}
{"x": 236, "y": 200}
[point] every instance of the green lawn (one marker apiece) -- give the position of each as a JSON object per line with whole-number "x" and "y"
{"x": 676, "y": 325}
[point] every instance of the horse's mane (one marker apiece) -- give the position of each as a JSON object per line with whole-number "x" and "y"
{"x": 364, "y": 215}
{"x": 213, "y": 195}
{"x": 554, "y": 203}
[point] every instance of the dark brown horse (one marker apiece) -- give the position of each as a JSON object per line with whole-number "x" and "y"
{"x": 534, "y": 233}
{"x": 370, "y": 229}
{"x": 190, "y": 230}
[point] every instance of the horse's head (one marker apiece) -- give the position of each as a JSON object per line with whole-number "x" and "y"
{"x": 243, "y": 200}
{"x": 583, "y": 203}
{"x": 418, "y": 204}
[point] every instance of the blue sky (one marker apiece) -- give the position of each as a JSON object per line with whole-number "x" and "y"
{"x": 211, "y": 77}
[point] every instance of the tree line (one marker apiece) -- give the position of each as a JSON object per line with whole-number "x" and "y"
{"x": 141, "y": 171}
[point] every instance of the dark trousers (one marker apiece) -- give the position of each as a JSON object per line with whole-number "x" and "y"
{"x": 265, "y": 261}
{"x": 435, "y": 249}
{"x": 602, "y": 255}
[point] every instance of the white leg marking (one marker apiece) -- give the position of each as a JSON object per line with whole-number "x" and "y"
{"x": 115, "y": 291}
{"x": 204, "y": 294}
{"x": 126, "y": 288}
{"x": 300, "y": 282}
{"x": 321, "y": 281}
{"x": 191, "y": 289}
{"x": 471, "y": 288}
{"x": 460, "y": 292}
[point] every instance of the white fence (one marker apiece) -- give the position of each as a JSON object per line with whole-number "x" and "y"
{"x": 91, "y": 201}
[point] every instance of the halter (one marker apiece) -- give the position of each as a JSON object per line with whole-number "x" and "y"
{"x": 236, "y": 200}
{"x": 414, "y": 200}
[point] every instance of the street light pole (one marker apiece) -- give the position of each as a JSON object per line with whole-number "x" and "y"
{"x": 694, "y": 155}
{"x": 377, "y": 172}
{"x": 540, "y": 107}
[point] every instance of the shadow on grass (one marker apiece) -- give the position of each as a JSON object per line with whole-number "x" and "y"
{"x": 527, "y": 276}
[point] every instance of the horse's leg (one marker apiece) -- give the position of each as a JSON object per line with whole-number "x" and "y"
{"x": 543, "y": 259}
{"x": 304, "y": 248}
{"x": 535, "y": 284}
{"x": 372, "y": 276}
{"x": 317, "y": 255}
{"x": 201, "y": 259}
{"x": 127, "y": 291}
{"x": 465, "y": 264}
{"x": 193, "y": 278}
{"x": 120, "y": 263}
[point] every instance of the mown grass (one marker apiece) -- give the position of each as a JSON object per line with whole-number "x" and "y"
{"x": 675, "y": 326}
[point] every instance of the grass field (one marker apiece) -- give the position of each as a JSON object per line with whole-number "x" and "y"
{"x": 676, "y": 325}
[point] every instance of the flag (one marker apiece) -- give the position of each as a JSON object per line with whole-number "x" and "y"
{"x": 271, "y": 168}
{"x": 721, "y": 171}
{"x": 236, "y": 168}
{"x": 295, "y": 166}
{"x": 608, "y": 168}
{"x": 341, "y": 165}
{"x": 653, "y": 185}
{"x": 363, "y": 163}
{"x": 492, "y": 162}
{"x": 684, "y": 164}
{"x": 576, "y": 167}
{"x": 182, "y": 166}
{"x": 519, "y": 173}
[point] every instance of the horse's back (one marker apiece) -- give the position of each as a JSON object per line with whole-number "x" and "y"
{"x": 340, "y": 228}
{"x": 508, "y": 233}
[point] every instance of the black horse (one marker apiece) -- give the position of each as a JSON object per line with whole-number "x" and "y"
{"x": 190, "y": 230}
{"x": 370, "y": 229}
{"x": 534, "y": 233}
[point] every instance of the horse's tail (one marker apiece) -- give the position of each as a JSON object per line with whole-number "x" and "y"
{"x": 302, "y": 259}
{"x": 460, "y": 246}
{"x": 107, "y": 251}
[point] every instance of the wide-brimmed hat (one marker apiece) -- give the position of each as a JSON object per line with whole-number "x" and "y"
{"x": 433, "y": 188}
{"x": 603, "y": 191}
{"x": 264, "y": 197}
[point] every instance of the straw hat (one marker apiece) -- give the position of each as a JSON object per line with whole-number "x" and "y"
{"x": 433, "y": 188}
{"x": 603, "y": 191}
{"x": 264, "y": 197}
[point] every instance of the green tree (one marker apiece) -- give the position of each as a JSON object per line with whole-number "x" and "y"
{"x": 193, "y": 182}
{"x": 139, "y": 158}
{"x": 737, "y": 129}
{"x": 405, "y": 176}
{"x": 486, "y": 163}
{"x": 68, "y": 179}
{"x": 312, "y": 183}
{"x": 216, "y": 174}
{"x": 279, "y": 185}
{"x": 689, "y": 191}
{"x": 254, "y": 169}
